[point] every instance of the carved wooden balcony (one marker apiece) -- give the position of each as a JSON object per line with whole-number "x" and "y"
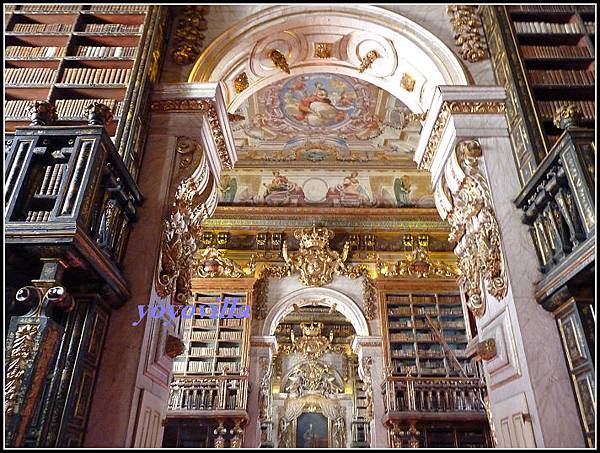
{"x": 68, "y": 196}
{"x": 209, "y": 396}
{"x": 558, "y": 205}
{"x": 449, "y": 399}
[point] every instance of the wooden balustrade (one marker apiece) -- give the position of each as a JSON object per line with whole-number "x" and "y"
{"x": 209, "y": 393}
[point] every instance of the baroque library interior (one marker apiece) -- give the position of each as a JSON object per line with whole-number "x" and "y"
{"x": 299, "y": 226}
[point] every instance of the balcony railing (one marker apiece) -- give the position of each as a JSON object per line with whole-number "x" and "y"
{"x": 558, "y": 201}
{"x": 361, "y": 433}
{"x": 408, "y": 394}
{"x": 209, "y": 393}
{"x": 69, "y": 196}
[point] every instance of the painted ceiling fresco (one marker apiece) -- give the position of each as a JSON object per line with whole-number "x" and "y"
{"x": 325, "y": 140}
{"x": 325, "y": 120}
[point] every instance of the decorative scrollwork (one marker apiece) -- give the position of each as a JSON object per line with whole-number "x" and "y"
{"x": 456, "y": 107}
{"x": 367, "y": 61}
{"x": 211, "y": 264}
{"x": 466, "y": 26}
{"x": 468, "y": 208}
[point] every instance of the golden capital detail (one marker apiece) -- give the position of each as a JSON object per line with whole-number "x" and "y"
{"x": 463, "y": 198}
{"x": 449, "y": 108}
{"x": 209, "y": 109}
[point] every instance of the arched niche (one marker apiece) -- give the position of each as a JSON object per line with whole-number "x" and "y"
{"x": 326, "y": 297}
{"x": 404, "y": 48}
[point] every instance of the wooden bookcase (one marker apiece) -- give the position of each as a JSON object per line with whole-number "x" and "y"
{"x": 412, "y": 346}
{"x": 555, "y": 49}
{"x": 215, "y": 346}
{"x": 71, "y": 55}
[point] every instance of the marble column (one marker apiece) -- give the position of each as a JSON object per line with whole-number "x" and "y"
{"x": 262, "y": 349}
{"x": 371, "y": 347}
{"x": 466, "y": 147}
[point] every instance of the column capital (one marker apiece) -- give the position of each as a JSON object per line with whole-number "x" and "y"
{"x": 371, "y": 341}
{"x": 197, "y": 109}
{"x": 264, "y": 342}
{"x": 458, "y": 113}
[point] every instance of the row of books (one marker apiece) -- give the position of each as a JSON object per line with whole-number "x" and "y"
{"x": 16, "y": 109}
{"x": 541, "y": 8}
{"x": 178, "y": 367}
{"x": 113, "y": 28}
{"x": 103, "y": 51}
{"x": 230, "y": 335}
{"x": 210, "y": 322}
{"x": 42, "y": 28}
{"x": 555, "y": 51}
{"x": 197, "y": 351}
{"x": 231, "y": 322}
{"x": 76, "y": 108}
{"x": 199, "y": 367}
{"x": 590, "y": 27}
{"x": 26, "y": 51}
{"x": 48, "y": 8}
{"x": 96, "y": 76}
{"x": 52, "y": 179}
{"x": 547, "y": 27}
{"x": 229, "y": 351}
{"x": 562, "y": 77}
{"x": 400, "y": 353}
{"x": 205, "y": 335}
{"x": 401, "y": 311}
{"x": 548, "y": 108}
{"x": 29, "y": 76}
{"x": 119, "y": 8}
{"x": 402, "y": 337}
{"x": 37, "y": 216}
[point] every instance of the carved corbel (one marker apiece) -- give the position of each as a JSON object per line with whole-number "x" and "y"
{"x": 463, "y": 198}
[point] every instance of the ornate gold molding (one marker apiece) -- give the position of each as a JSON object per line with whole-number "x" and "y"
{"x": 189, "y": 38}
{"x": 203, "y": 105}
{"x": 466, "y": 26}
{"x": 455, "y": 107}
{"x": 315, "y": 261}
{"x": 469, "y": 210}
{"x": 211, "y": 264}
{"x": 367, "y": 61}
{"x": 417, "y": 264}
{"x": 317, "y": 264}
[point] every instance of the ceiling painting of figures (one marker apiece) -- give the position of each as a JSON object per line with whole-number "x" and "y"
{"x": 325, "y": 120}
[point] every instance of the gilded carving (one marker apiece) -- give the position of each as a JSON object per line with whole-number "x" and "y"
{"x": 367, "y": 61}
{"x": 186, "y": 147}
{"x": 315, "y": 261}
{"x": 211, "y": 264}
{"x": 567, "y": 116}
{"x": 279, "y": 60}
{"x": 42, "y": 113}
{"x": 367, "y": 363}
{"x": 323, "y": 49}
{"x": 240, "y": 83}
{"x": 174, "y": 346}
{"x": 188, "y": 34}
{"x": 312, "y": 344}
{"x": 473, "y": 227}
{"x": 455, "y": 107}
{"x": 417, "y": 264}
{"x": 206, "y": 106}
{"x": 20, "y": 356}
{"x": 312, "y": 377}
{"x": 466, "y": 26}
{"x": 407, "y": 82}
